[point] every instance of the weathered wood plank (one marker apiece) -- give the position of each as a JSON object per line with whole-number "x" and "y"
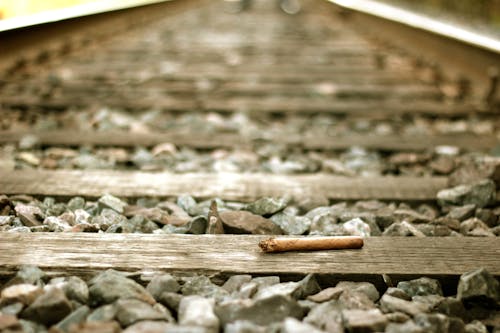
{"x": 379, "y": 77}
{"x": 234, "y": 140}
{"x": 251, "y": 104}
{"x": 229, "y": 186}
{"x": 85, "y": 254}
{"x": 78, "y": 89}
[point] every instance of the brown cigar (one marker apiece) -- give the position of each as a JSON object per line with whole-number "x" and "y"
{"x": 311, "y": 243}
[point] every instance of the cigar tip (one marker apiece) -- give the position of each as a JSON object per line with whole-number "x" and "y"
{"x": 266, "y": 245}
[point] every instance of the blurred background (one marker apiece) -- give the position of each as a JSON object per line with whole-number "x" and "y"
{"x": 13, "y": 8}
{"x": 483, "y": 15}
{"x": 479, "y": 15}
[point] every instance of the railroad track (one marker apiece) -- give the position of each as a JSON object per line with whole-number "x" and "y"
{"x": 117, "y": 139}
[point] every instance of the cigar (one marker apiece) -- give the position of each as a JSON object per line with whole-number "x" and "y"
{"x": 311, "y": 243}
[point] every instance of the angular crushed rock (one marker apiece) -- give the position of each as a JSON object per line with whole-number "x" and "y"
{"x": 68, "y": 304}
{"x": 421, "y": 287}
{"x": 111, "y": 285}
{"x": 262, "y": 312}
{"x": 481, "y": 194}
{"x": 373, "y": 218}
{"x": 245, "y": 222}
{"x": 478, "y": 286}
{"x": 49, "y": 308}
{"x": 198, "y": 311}
{"x": 267, "y": 206}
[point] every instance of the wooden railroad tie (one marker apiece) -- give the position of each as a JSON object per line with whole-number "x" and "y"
{"x": 227, "y": 186}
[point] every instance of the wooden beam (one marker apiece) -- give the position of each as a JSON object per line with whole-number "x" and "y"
{"x": 252, "y": 105}
{"x": 228, "y": 186}
{"x": 86, "y": 254}
{"x": 233, "y": 140}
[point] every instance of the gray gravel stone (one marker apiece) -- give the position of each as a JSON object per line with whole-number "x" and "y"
{"x": 20, "y": 293}
{"x": 109, "y": 218}
{"x": 244, "y": 326}
{"x": 488, "y": 216}
{"x": 245, "y": 222}
{"x": 202, "y": 286}
{"x": 291, "y": 224}
{"x": 130, "y": 311}
{"x": 478, "y": 286}
{"x": 103, "y": 313}
{"x": 264, "y": 281}
{"x": 475, "y": 327}
{"x": 296, "y": 290}
{"x": 450, "y": 306}
{"x": 74, "y": 288}
{"x": 261, "y": 312}
{"x": 149, "y": 326}
{"x": 235, "y": 282}
{"x": 292, "y": 325}
{"x": 76, "y": 203}
{"x": 74, "y": 318}
{"x": 411, "y": 216}
{"x": 394, "y": 304}
{"x": 32, "y": 327}
{"x": 197, "y": 225}
{"x": 203, "y": 207}
{"x": 198, "y": 311}
{"x": 28, "y": 274}
{"x": 162, "y": 283}
{"x": 112, "y": 202}
{"x": 366, "y": 288}
{"x": 325, "y": 295}
{"x": 30, "y": 215}
{"x": 138, "y": 224}
{"x": 20, "y": 229}
{"x": 475, "y": 227}
{"x": 111, "y": 285}
{"x": 434, "y": 230}
{"x": 326, "y": 316}
{"x": 364, "y": 320}
{"x": 433, "y": 322}
{"x": 407, "y": 327}
{"x": 462, "y": 213}
{"x": 402, "y": 229}
{"x": 267, "y": 206}
{"x": 357, "y": 227}
{"x": 321, "y": 210}
{"x": 56, "y": 224}
{"x": 187, "y": 203}
{"x": 247, "y": 290}
{"x": 6, "y": 220}
{"x": 170, "y": 300}
{"x": 397, "y": 317}
{"x": 481, "y": 194}
{"x": 421, "y": 287}
{"x": 355, "y": 300}
{"x": 49, "y": 308}
{"x": 326, "y": 224}
{"x": 12, "y": 309}
{"x": 395, "y": 292}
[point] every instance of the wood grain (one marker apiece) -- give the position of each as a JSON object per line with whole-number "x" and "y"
{"x": 252, "y": 105}
{"x": 62, "y": 253}
{"x": 228, "y": 186}
{"x": 233, "y": 140}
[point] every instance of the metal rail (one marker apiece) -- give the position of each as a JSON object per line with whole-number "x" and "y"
{"x": 422, "y": 22}
{"x": 460, "y": 53}
{"x": 81, "y": 10}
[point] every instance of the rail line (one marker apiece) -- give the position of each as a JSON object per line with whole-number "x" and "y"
{"x": 121, "y": 143}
